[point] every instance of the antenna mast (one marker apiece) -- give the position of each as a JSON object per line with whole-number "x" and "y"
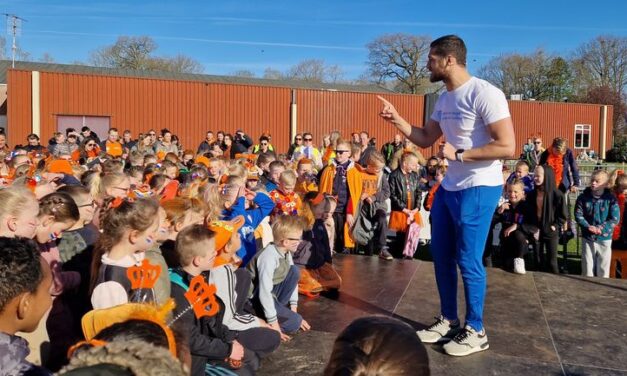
{"x": 14, "y": 28}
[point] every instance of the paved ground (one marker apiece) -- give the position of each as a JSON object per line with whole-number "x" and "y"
{"x": 538, "y": 324}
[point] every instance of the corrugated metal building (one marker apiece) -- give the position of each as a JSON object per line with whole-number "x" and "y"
{"x": 43, "y": 98}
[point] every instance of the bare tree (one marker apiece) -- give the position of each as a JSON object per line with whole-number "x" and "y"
{"x": 400, "y": 57}
{"x": 46, "y": 58}
{"x": 536, "y": 75}
{"x": 602, "y": 62}
{"x": 312, "y": 70}
{"x": 272, "y": 74}
{"x": 244, "y": 73}
{"x": 136, "y": 53}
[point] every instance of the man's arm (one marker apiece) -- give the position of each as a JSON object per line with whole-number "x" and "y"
{"x": 423, "y": 137}
{"x": 503, "y": 145}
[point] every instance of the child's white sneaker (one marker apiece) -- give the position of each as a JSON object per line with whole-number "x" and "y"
{"x": 519, "y": 265}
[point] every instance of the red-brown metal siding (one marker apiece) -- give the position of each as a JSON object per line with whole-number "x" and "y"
{"x": 19, "y": 107}
{"x": 551, "y": 119}
{"x": 189, "y": 109}
{"x": 321, "y": 112}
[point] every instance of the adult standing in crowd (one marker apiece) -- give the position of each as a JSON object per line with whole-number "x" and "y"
{"x": 307, "y": 150}
{"x": 366, "y": 148}
{"x": 205, "y": 145}
{"x": 562, "y": 161}
{"x": 127, "y": 141}
{"x": 532, "y": 156}
{"x": 241, "y": 143}
{"x": 111, "y": 145}
{"x": 298, "y": 141}
{"x": 264, "y": 145}
{"x": 166, "y": 145}
{"x": 143, "y": 146}
{"x": 475, "y": 120}
{"x": 390, "y": 148}
{"x": 33, "y": 145}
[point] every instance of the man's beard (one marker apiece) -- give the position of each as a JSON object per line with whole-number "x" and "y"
{"x": 436, "y": 77}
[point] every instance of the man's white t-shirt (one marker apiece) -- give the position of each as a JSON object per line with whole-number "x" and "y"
{"x": 463, "y": 115}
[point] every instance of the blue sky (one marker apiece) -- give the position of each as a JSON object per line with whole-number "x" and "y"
{"x": 225, "y": 36}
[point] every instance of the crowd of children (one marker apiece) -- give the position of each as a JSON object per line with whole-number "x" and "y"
{"x": 208, "y": 249}
{"x": 201, "y": 258}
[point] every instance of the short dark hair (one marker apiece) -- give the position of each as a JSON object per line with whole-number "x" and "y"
{"x": 450, "y": 45}
{"x": 20, "y": 268}
{"x": 264, "y": 138}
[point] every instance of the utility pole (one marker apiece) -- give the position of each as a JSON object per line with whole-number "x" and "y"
{"x": 14, "y": 28}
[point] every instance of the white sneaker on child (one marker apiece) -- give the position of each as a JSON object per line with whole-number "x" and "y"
{"x": 519, "y": 265}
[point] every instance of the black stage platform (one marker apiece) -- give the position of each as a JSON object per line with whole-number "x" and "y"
{"x": 537, "y": 324}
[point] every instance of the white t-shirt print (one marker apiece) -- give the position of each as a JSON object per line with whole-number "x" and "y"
{"x": 463, "y": 115}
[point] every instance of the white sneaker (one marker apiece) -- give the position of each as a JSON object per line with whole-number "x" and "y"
{"x": 467, "y": 342}
{"x": 440, "y": 331}
{"x": 519, "y": 265}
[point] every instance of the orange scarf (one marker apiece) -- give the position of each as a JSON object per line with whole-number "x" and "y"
{"x": 556, "y": 161}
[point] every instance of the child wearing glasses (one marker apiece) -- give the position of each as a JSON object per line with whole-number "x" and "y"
{"x": 275, "y": 278}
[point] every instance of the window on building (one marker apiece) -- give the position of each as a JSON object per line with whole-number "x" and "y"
{"x": 98, "y": 124}
{"x": 582, "y": 136}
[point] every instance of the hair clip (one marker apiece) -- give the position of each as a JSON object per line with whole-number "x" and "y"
{"x": 116, "y": 202}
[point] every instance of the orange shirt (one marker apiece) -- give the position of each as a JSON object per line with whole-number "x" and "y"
{"x": 114, "y": 149}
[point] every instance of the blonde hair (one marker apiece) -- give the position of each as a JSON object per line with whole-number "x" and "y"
{"x": 237, "y": 170}
{"x": 516, "y": 182}
{"x": 14, "y": 200}
{"x": 288, "y": 177}
{"x": 376, "y": 158}
{"x": 214, "y": 201}
{"x": 286, "y": 224}
{"x": 176, "y": 209}
{"x": 560, "y": 144}
{"x": 188, "y": 241}
{"x": 618, "y": 180}
{"x": 521, "y": 164}
{"x": 101, "y": 182}
{"x": 596, "y": 173}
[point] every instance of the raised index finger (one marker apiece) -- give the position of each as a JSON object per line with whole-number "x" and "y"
{"x": 385, "y": 101}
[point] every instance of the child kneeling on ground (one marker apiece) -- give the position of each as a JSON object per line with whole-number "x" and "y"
{"x": 210, "y": 341}
{"x": 275, "y": 278}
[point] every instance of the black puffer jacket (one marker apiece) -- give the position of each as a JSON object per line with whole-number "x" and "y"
{"x": 399, "y": 183}
{"x": 208, "y": 338}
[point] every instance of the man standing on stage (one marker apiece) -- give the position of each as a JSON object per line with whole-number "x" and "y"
{"x": 474, "y": 118}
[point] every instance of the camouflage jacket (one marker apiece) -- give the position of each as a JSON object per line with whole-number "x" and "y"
{"x": 13, "y": 353}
